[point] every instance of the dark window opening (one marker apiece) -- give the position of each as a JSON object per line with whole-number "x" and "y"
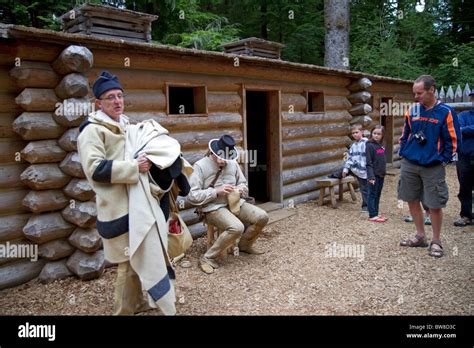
{"x": 315, "y": 102}
{"x": 187, "y": 100}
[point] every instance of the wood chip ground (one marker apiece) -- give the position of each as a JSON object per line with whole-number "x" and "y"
{"x": 296, "y": 277}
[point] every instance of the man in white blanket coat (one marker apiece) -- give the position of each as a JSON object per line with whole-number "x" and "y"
{"x": 105, "y": 145}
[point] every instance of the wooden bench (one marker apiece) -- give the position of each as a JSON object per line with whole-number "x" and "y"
{"x": 330, "y": 184}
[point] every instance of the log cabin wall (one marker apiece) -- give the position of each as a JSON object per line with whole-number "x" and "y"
{"x": 44, "y": 192}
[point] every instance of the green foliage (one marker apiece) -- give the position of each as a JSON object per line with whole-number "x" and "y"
{"x": 387, "y": 37}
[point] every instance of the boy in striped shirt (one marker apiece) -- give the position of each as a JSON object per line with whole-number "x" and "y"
{"x": 356, "y": 162}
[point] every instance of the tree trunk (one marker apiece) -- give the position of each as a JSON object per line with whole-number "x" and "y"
{"x": 336, "y": 41}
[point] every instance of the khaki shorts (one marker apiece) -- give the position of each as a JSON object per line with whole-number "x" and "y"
{"x": 427, "y": 184}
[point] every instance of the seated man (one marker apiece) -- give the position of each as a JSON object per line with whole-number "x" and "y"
{"x": 214, "y": 177}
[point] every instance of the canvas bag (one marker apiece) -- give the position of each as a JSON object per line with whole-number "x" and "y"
{"x": 178, "y": 243}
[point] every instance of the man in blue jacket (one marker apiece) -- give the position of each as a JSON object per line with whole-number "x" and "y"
{"x": 430, "y": 141}
{"x": 465, "y": 165}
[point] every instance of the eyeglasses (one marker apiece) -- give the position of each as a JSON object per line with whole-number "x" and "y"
{"x": 112, "y": 97}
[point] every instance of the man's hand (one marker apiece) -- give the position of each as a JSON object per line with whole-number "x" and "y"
{"x": 372, "y": 181}
{"x": 144, "y": 164}
{"x": 224, "y": 190}
{"x": 240, "y": 188}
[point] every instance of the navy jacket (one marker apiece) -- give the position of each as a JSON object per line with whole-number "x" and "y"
{"x": 466, "y": 122}
{"x": 441, "y": 128}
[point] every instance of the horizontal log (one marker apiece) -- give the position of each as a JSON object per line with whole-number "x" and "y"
{"x": 333, "y": 103}
{"x": 73, "y": 59}
{"x": 11, "y": 202}
{"x": 68, "y": 140}
{"x": 296, "y": 132}
{"x": 44, "y": 177}
{"x": 88, "y": 240}
{"x": 42, "y": 228}
{"x": 327, "y": 117}
{"x": 293, "y": 102}
{"x": 197, "y": 230}
{"x": 224, "y": 66}
{"x": 20, "y": 272}
{"x": 11, "y": 226}
{"x": 156, "y": 80}
{"x": 7, "y": 83}
{"x": 360, "y": 109}
{"x": 360, "y": 85}
{"x": 71, "y": 165}
{"x": 82, "y": 214}
{"x": 72, "y": 112}
{"x": 301, "y": 146}
{"x": 54, "y": 271}
{"x": 301, "y": 198}
{"x": 10, "y": 151}
{"x": 34, "y": 75}
{"x": 390, "y": 88}
{"x": 20, "y": 249}
{"x": 79, "y": 189}
{"x": 6, "y": 125}
{"x": 299, "y": 187}
{"x": 72, "y": 86}
{"x": 10, "y": 175}
{"x": 223, "y": 102}
{"x": 364, "y": 120}
{"x": 174, "y": 123}
{"x": 194, "y": 155}
{"x": 43, "y": 151}
{"x": 359, "y": 97}
{"x": 8, "y": 104}
{"x": 48, "y": 200}
{"x": 37, "y": 126}
{"x": 144, "y": 100}
{"x": 301, "y": 173}
{"x": 311, "y": 158}
{"x": 190, "y": 140}
{"x": 37, "y": 99}
{"x": 56, "y": 249}
{"x": 87, "y": 266}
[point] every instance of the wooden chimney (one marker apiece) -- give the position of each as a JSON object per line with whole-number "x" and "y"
{"x": 255, "y": 47}
{"x": 109, "y": 22}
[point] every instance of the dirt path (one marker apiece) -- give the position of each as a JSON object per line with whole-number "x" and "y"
{"x": 296, "y": 276}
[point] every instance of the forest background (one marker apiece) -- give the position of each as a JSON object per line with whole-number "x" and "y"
{"x": 397, "y": 38}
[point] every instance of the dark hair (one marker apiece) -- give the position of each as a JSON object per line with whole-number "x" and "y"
{"x": 382, "y": 128}
{"x": 428, "y": 81}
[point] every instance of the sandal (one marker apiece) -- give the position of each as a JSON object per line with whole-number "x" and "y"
{"x": 436, "y": 252}
{"x": 418, "y": 242}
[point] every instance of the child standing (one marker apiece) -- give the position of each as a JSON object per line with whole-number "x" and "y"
{"x": 356, "y": 161}
{"x": 376, "y": 169}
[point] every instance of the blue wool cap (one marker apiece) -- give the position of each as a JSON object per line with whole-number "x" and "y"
{"x": 105, "y": 82}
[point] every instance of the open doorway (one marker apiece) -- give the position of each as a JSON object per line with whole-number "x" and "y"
{"x": 387, "y": 122}
{"x": 264, "y": 141}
